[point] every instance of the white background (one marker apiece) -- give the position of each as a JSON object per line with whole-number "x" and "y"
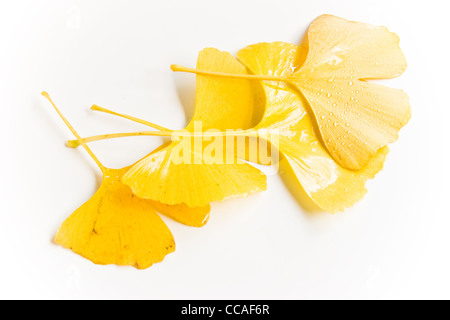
{"x": 394, "y": 244}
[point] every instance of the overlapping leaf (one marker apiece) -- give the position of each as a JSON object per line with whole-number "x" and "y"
{"x": 355, "y": 118}
{"x": 116, "y": 227}
{"x": 180, "y": 174}
{"x": 330, "y": 124}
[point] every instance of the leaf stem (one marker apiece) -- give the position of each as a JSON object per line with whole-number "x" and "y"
{"x": 144, "y": 122}
{"x": 178, "y": 68}
{"x": 173, "y": 134}
{"x": 75, "y": 133}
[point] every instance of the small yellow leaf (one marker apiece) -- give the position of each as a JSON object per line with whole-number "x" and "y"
{"x": 116, "y": 227}
{"x": 160, "y": 178}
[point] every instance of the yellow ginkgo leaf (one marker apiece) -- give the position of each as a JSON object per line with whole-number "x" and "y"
{"x": 291, "y": 129}
{"x": 355, "y": 118}
{"x": 117, "y": 227}
{"x": 185, "y": 172}
{"x": 365, "y": 116}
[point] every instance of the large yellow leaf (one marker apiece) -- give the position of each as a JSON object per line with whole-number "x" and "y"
{"x": 193, "y": 176}
{"x": 290, "y": 127}
{"x": 355, "y": 118}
